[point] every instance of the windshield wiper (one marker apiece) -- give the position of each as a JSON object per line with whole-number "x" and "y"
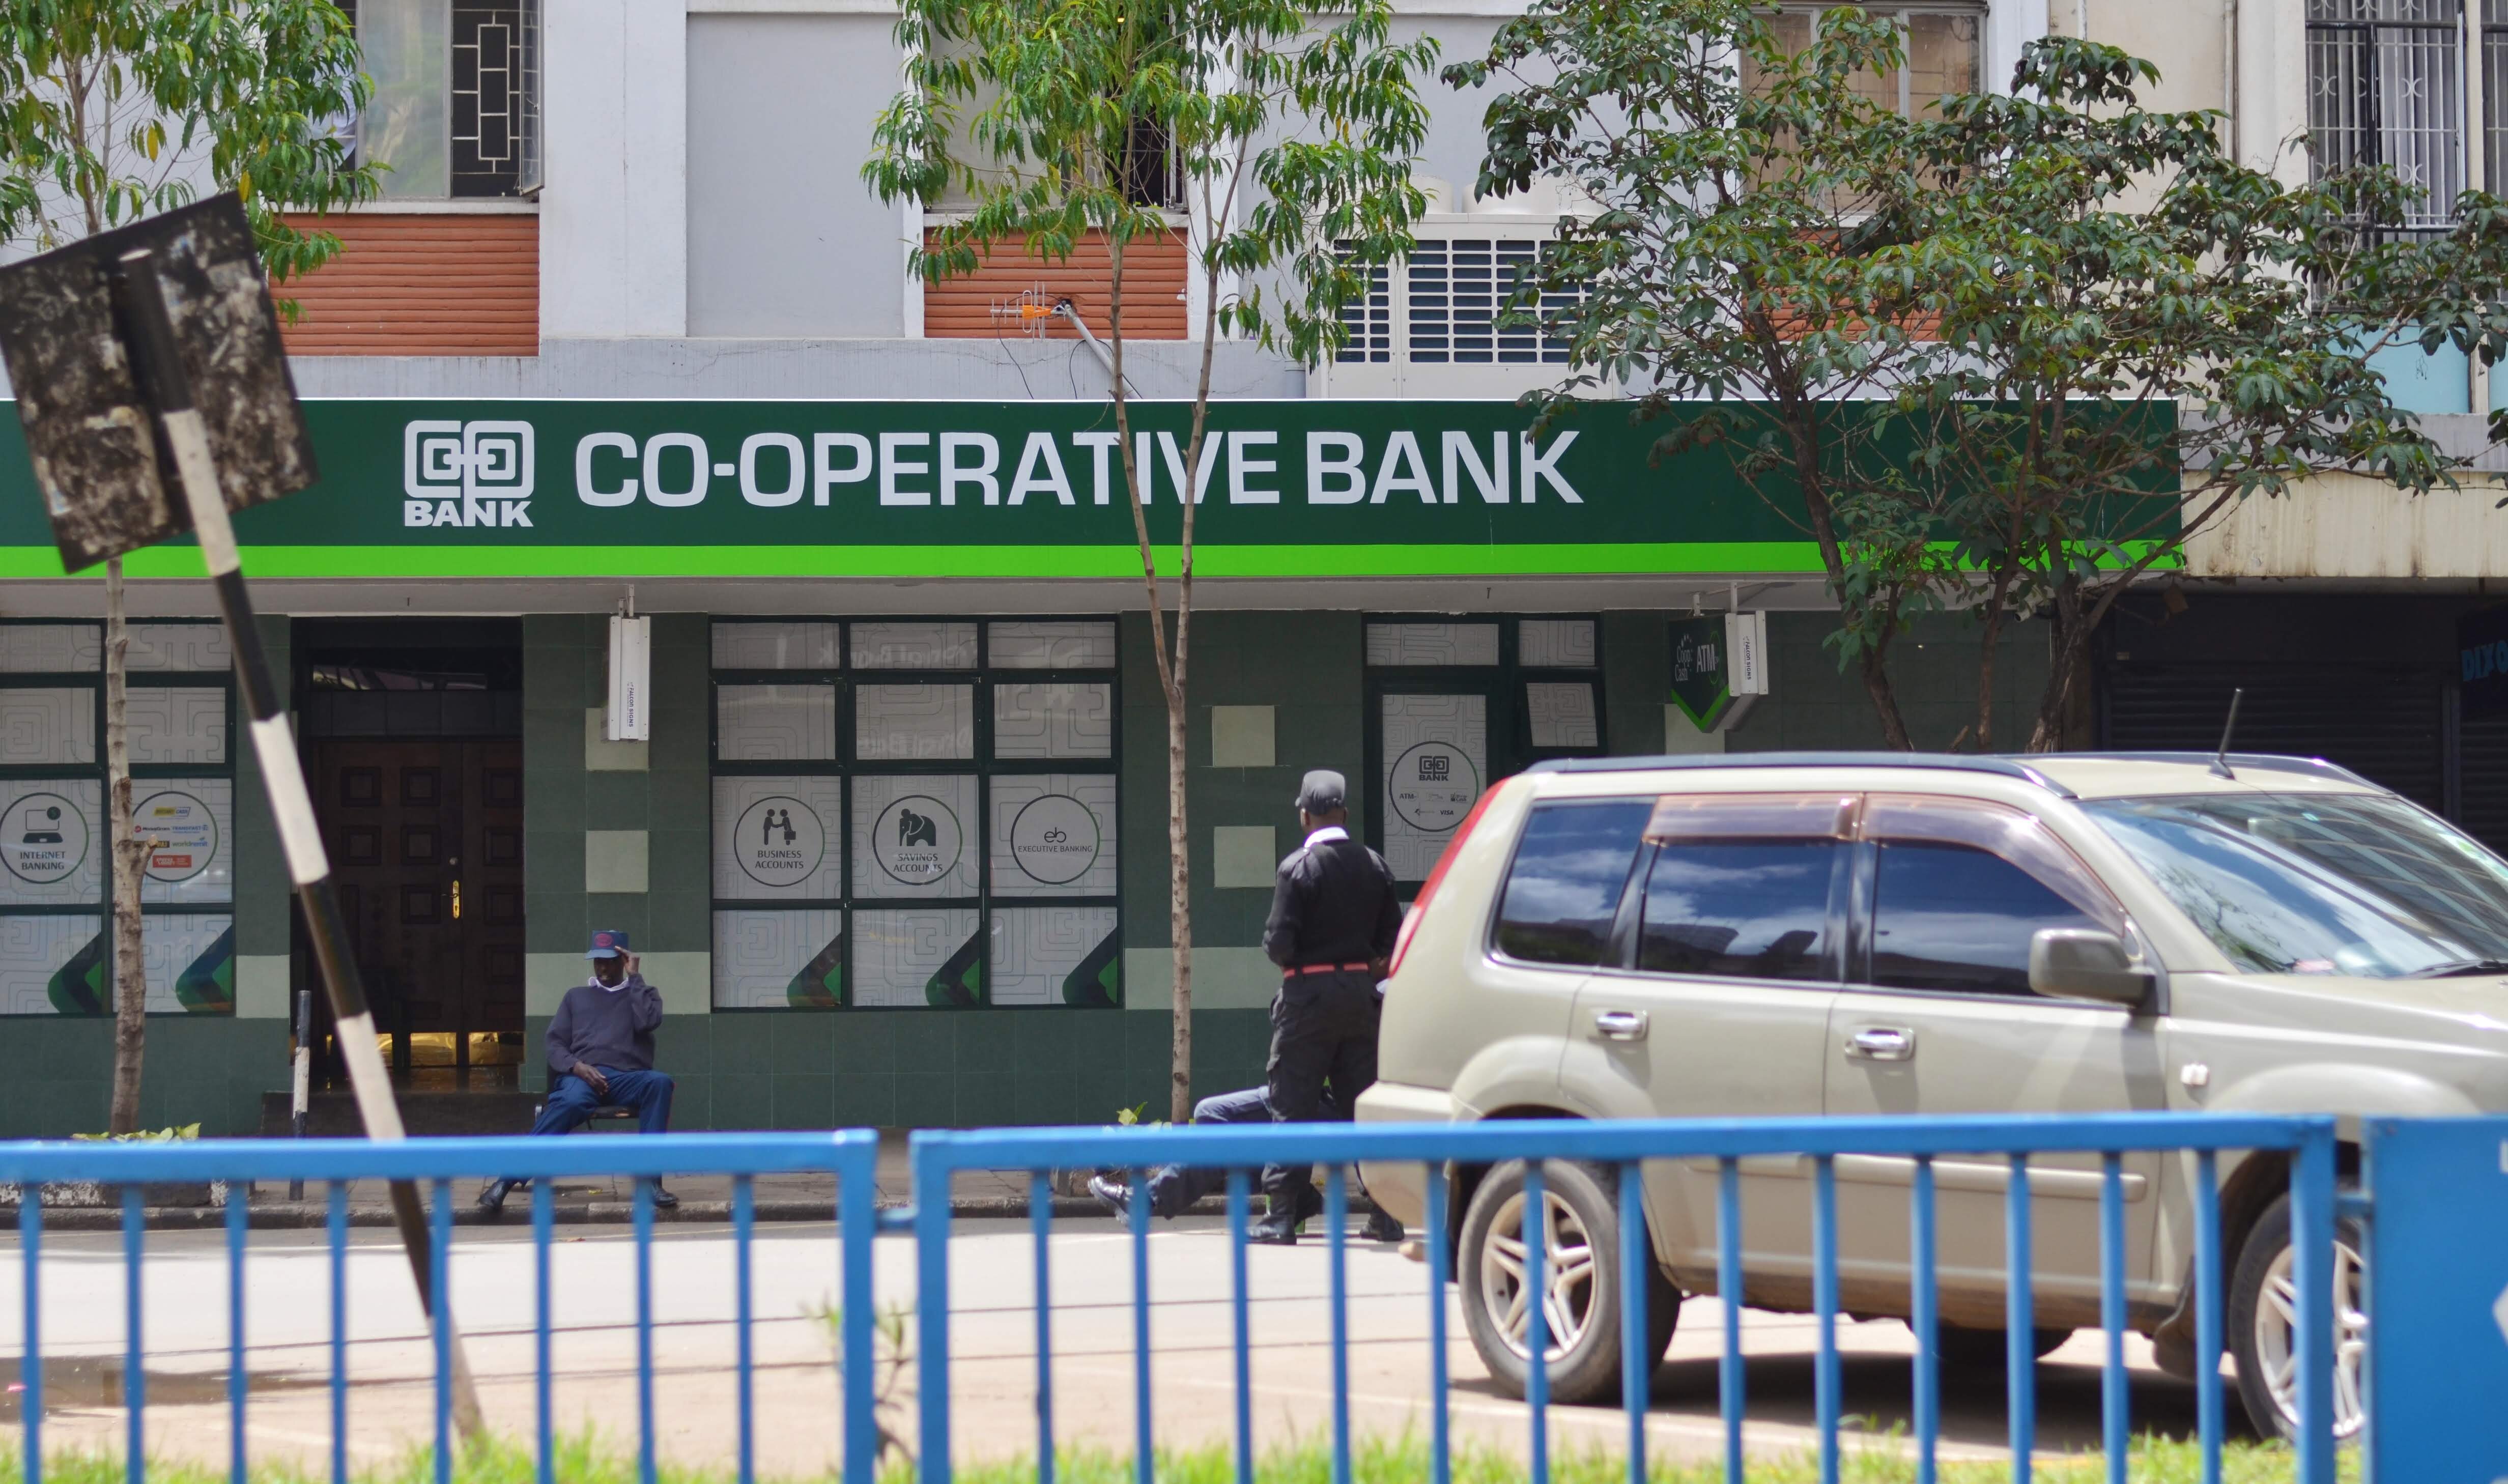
{"x": 2461, "y": 968}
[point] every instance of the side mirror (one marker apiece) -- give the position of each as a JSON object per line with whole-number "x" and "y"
{"x": 2086, "y": 964}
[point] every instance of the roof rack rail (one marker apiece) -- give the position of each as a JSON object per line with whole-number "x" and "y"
{"x": 1957, "y": 763}
{"x": 2270, "y": 763}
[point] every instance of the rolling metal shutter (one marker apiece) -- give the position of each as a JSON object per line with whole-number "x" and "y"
{"x": 2384, "y": 725}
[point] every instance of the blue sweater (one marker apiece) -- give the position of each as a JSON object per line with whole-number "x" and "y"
{"x": 610, "y": 1028}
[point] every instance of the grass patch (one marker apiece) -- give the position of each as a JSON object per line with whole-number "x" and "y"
{"x": 581, "y": 1459}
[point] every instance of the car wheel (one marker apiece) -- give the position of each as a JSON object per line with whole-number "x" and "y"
{"x": 1581, "y": 1282}
{"x": 2264, "y": 1316}
{"x": 1980, "y": 1350}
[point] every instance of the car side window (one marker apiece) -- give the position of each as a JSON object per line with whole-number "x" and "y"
{"x": 1563, "y": 887}
{"x": 1740, "y": 908}
{"x": 1960, "y": 886}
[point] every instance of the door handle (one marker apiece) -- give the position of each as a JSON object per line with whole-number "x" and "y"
{"x": 456, "y": 898}
{"x": 1620, "y": 1025}
{"x": 1882, "y": 1042}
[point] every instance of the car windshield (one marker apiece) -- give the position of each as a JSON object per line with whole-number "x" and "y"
{"x": 2317, "y": 883}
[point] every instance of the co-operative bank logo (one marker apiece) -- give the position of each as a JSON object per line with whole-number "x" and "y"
{"x": 466, "y": 473}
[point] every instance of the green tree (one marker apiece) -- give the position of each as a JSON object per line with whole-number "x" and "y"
{"x": 112, "y": 110}
{"x": 1291, "y": 129}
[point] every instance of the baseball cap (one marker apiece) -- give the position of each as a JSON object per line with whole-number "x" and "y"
{"x": 1322, "y": 792}
{"x": 607, "y": 943}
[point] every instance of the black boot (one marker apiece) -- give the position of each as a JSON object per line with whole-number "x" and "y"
{"x": 663, "y": 1199}
{"x": 1382, "y": 1228}
{"x": 1273, "y": 1230}
{"x": 492, "y": 1197}
{"x": 1114, "y": 1195}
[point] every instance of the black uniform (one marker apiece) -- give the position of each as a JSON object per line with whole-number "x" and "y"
{"x": 1334, "y": 908}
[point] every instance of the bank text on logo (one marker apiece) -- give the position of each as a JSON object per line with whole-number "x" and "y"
{"x": 466, "y": 473}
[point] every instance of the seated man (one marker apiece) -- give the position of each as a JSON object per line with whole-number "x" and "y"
{"x": 601, "y": 1054}
{"x": 1174, "y": 1187}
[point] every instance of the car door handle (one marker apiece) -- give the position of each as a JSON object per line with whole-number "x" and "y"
{"x": 1882, "y": 1042}
{"x": 1620, "y": 1025}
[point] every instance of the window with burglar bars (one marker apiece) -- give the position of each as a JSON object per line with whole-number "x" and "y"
{"x": 2385, "y": 86}
{"x": 456, "y": 110}
{"x": 2494, "y": 91}
{"x": 1443, "y": 303}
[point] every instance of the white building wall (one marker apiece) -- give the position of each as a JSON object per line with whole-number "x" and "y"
{"x": 614, "y": 218}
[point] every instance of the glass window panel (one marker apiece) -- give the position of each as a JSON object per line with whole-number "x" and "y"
{"x": 46, "y": 726}
{"x": 189, "y": 960}
{"x": 178, "y": 724}
{"x": 1053, "y": 721}
{"x": 1955, "y": 917}
{"x": 1058, "y": 955}
{"x": 1738, "y": 910}
{"x": 914, "y": 837}
{"x": 926, "y": 956}
{"x": 406, "y": 47}
{"x": 915, "y": 645}
{"x": 1054, "y": 834}
{"x": 897, "y": 724}
{"x": 776, "y": 646}
{"x": 1561, "y": 643}
{"x": 1436, "y": 759}
{"x": 1432, "y": 644}
{"x": 779, "y": 961}
{"x": 190, "y": 823}
{"x": 1562, "y": 714}
{"x": 179, "y": 647}
{"x": 775, "y": 724}
{"x": 779, "y": 838}
{"x": 54, "y": 646}
{"x": 1074, "y": 645}
{"x": 1564, "y": 888}
{"x": 51, "y": 840}
{"x": 54, "y": 966}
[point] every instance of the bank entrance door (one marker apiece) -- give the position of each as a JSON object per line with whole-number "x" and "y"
{"x": 420, "y": 804}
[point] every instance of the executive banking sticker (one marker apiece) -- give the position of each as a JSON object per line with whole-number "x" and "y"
{"x": 43, "y": 838}
{"x": 779, "y": 841}
{"x": 1055, "y": 839}
{"x": 916, "y": 839}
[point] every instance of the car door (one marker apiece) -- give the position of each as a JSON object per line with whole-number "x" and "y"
{"x": 1937, "y": 1017}
{"x": 1713, "y": 1002}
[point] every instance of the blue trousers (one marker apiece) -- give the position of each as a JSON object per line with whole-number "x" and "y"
{"x": 1173, "y": 1187}
{"x": 571, "y": 1101}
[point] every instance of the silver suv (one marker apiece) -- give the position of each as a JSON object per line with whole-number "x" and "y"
{"x": 1791, "y": 935}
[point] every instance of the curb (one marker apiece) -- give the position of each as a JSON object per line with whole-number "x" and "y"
{"x": 306, "y": 1215}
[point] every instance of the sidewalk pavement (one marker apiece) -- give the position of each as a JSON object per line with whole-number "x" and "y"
{"x": 599, "y": 1199}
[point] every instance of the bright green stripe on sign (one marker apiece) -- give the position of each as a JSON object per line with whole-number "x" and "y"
{"x": 1254, "y": 561}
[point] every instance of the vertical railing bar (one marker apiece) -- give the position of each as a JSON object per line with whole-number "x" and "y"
{"x": 543, "y": 1306}
{"x": 1240, "y": 1318}
{"x": 2114, "y": 1416}
{"x": 2208, "y": 1318}
{"x": 1636, "y": 1258}
{"x": 1440, "y": 1417}
{"x": 135, "y": 1362}
{"x": 1040, "y": 1216}
{"x": 744, "y": 1257}
{"x": 1926, "y": 1321}
{"x": 2020, "y": 1312}
{"x": 1144, "y": 1460}
{"x": 335, "y": 1222}
{"x": 1536, "y": 1318}
{"x": 239, "y": 1211}
{"x": 2311, "y": 1272}
{"x": 641, "y": 1209}
{"x": 439, "y": 1284}
{"x": 1825, "y": 1376}
{"x": 1730, "y": 1375}
{"x": 856, "y": 1219}
{"x": 1336, "y": 1243}
{"x": 30, "y": 1363}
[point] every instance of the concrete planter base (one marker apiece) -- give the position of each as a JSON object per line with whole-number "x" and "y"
{"x": 89, "y": 1194}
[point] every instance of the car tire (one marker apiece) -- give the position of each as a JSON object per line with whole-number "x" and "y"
{"x": 1581, "y": 1267}
{"x": 1979, "y": 1350}
{"x": 2260, "y": 1323}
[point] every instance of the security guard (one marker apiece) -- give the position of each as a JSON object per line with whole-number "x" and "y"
{"x": 1334, "y": 919}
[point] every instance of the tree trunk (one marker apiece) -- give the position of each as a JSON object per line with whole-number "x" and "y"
{"x": 125, "y": 856}
{"x": 2063, "y": 717}
{"x": 1179, "y": 909}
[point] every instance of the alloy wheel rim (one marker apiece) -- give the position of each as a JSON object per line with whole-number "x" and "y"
{"x": 1568, "y": 1278}
{"x": 2277, "y": 1338}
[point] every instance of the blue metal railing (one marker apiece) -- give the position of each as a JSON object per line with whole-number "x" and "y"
{"x": 1620, "y": 1147}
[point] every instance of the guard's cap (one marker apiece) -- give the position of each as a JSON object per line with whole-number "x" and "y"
{"x": 1322, "y": 792}
{"x": 607, "y": 943}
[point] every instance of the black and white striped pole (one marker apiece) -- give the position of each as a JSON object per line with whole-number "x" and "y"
{"x": 158, "y": 365}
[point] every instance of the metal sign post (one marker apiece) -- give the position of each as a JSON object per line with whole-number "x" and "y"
{"x": 108, "y": 403}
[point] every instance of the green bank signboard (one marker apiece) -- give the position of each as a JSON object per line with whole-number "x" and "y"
{"x": 553, "y": 488}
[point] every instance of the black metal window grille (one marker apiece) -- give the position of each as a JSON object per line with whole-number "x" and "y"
{"x": 2385, "y": 87}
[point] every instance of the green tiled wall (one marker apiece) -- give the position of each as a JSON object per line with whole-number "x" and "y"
{"x": 57, "y": 1074}
{"x": 1933, "y": 667}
